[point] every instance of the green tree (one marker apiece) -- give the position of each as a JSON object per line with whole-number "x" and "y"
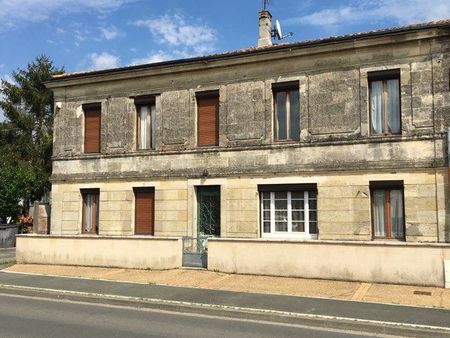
{"x": 17, "y": 181}
{"x": 28, "y": 131}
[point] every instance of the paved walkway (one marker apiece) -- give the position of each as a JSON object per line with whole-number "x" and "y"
{"x": 7, "y": 255}
{"x": 307, "y": 307}
{"x": 367, "y": 292}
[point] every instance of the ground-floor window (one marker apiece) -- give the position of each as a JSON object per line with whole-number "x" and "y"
{"x": 289, "y": 214}
{"x": 387, "y": 212}
{"x": 90, "y": 210}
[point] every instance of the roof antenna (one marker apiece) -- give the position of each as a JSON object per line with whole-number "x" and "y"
{"x": 265, "y": 4}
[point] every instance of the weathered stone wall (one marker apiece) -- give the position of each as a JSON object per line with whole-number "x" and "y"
{"x": 335, "y": 150}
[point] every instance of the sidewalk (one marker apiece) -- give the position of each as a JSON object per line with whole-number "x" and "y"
{"x": 366, "y": 292}
{"x": 417, "y": 321}
{"x": 7, "y": 255}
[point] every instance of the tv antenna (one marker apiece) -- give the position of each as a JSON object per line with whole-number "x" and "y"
{"x": 277, "y": 33}
{"x": 265, "y": 4}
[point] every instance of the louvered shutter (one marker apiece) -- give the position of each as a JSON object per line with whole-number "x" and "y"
{"x": 208, "y": 120}
{"x": 92, "y": 121}
{"x": 144, "y": 211}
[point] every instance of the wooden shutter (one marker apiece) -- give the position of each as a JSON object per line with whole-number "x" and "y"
{"x": 144, "y": 211}
{"x": 92, "y": 121}
{"x": 208, "y": 120}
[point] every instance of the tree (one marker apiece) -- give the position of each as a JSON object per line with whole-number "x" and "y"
{"x": 17, "y": 181}
{"x": 28, "y": 131}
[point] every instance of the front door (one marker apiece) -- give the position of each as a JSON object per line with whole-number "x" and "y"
{"x": 208, "y": 199}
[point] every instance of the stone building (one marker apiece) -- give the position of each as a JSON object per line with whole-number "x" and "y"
{"x": 324, "y": 158}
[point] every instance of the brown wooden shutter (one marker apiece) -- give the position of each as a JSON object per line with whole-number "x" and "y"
{"x": 208, "y": 120}
{"x": 92, "y": 121}
{"x": 144, "y": 211}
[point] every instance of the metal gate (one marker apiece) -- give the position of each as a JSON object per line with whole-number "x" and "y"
{"x": 195, "y": 249}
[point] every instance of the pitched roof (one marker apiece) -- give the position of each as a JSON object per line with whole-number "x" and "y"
{"x": 373, "y": 33}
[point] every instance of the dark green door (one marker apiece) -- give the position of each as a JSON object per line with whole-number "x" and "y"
{"x": 208, "y": 211}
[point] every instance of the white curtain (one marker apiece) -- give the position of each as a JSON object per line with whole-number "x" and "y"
{"x": 379, "y": 202}
{"x": 143, "y": 128}
{"x": 393, "y": 106}
{"x": 396, "y": 213}
{"x": 88, "y": 211}
{"x": 377, "y": 116}
{"x": 152, "y": 125}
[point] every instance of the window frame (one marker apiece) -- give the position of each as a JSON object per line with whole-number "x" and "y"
{"x": 89, "y": 108}
{"x": 289, "y": 233}
{"x": 202, "y": 95}
{"x": 151, "y": 119}
{"x": 96, "y": 206}
{"x": 286, "y": 87}
{"x": 387, "y": 187}
{"x": 384, "y": 77}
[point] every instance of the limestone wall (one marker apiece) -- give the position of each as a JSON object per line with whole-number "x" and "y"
{"x": 343, "y": 204}
{"x": 124, "y": 252}
{"x": 399, "y": 263}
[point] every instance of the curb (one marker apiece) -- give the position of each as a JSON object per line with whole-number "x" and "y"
{"x": 272, "y": 315}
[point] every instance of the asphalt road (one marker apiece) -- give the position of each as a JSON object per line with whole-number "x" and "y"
{"x": 34, "y": 317}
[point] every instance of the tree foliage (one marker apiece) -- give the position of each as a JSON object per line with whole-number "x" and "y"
{"x": 26, "y": 135}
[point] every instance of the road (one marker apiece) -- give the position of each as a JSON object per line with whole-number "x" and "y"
{"x": 36, "y": 317}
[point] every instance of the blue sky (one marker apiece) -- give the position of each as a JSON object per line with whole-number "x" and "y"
{"x": 97, "y": 34}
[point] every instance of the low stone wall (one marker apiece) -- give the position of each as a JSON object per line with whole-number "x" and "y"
{"x": 380, "y": 262}
{"x": 138, "y": 252}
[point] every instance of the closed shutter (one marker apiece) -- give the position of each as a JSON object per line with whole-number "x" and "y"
{"x": 208, "y": 120}
{"x": 92, "y": 119}
{"x": 144, "y": 211}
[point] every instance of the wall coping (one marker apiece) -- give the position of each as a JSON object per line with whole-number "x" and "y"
{"x": 332, "y": 242}
{"x": 99, "y": 237}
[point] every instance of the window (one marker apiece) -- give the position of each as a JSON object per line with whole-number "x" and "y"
{"x": 385, "y": 102}
{"x": 208, "y": 118}
{"x": 90, "y": 211}
{"x": 144, "y": 211}
{"x": 289, "y": 213}
{"x": 287, "y": 111}
{"x": 387, "y": 210}
{"x": 92, "y": 122}
{"x": 146, "y": 121}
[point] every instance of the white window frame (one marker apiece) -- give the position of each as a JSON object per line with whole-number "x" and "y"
{"x": 289, "y": 233}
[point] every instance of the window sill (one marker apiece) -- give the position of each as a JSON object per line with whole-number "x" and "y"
{"x": 283, "y": 235}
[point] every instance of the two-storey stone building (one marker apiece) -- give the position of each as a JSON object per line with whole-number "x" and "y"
{"x": 325, "y": 158}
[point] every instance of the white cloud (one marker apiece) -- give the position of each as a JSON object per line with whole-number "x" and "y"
{"x": 196, "y": 37}
{"x": 13, "y": 12}
{"x": 110, "y": 32}
{"x": 103, "y": 60}
{"x": 401, "y": 11}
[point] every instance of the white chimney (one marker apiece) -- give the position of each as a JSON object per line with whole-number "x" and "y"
{"x": 265, "y": 29}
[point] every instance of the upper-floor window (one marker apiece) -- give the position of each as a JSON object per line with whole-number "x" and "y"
{"x": 92, "y": 123}
{"x": 289, "y": 210}
{"x": 208, "y": 118}
{"x": 146, "y": 121}
{"x": 387, "y": 209}
{"x": 287, "y": 111}
{"x": 385, "y": 102}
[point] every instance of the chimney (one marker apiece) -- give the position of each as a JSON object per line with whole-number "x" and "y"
{"x": 265, "y": 29}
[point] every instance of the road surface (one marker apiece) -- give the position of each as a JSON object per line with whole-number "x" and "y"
{"x": 36, "y": 317}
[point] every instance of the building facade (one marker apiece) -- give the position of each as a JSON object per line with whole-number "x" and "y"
{"x": 334, "y": 140}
